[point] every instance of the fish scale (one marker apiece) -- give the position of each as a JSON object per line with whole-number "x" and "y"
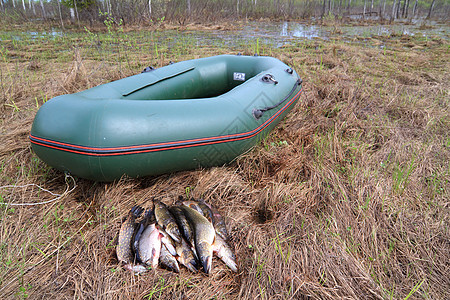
{"x": 166, "y": 220}
{"x": 124, "y": 249}
{"x": 204, "y": 236}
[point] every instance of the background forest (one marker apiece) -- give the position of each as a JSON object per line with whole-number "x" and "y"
{"x": 142, "y": 11}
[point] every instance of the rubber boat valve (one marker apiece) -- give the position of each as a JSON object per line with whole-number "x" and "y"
{"x": 148, "y": 69}
{"x": 289, "y": 70}
{"x": 269, "y": 78}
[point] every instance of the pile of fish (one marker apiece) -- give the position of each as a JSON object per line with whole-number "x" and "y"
{"x": 187, "y": 233}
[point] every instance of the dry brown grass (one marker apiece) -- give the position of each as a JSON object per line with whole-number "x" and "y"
{"x": 347, "y": 198}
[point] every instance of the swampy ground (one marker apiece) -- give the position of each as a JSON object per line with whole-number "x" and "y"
{"x": 347, "y": 198}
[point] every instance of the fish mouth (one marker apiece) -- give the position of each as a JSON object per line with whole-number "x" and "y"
{"x": 207, "y": 262}
{"x": 191, "y": 267}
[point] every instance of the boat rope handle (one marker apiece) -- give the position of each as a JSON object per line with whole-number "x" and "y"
{"x": 258, "y": 113}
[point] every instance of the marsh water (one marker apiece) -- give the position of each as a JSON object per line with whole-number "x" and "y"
{"x": 284, "y": 31}
{"x": 273, "y": 34}
{"x": 281, "y": 33}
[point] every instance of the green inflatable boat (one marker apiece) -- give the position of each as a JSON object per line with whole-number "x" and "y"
{"x": 197, "y": 113}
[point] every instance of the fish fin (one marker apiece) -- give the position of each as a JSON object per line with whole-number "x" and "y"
{"x": 231, "y": 263}
{"x": 150, "y": 216}
{"x": 136, "y": 211}
{"x": 137, "y": 235}
{"x": 168, "y": 245}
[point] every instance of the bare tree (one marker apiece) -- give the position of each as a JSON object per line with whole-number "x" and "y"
{"x": 381, "y": 9}
{"x": 393, "y": 16}
{"x": 72, "y": 13}
{"x": 415, "y": 8}
{"x": 405, "y": 15}
{"x": 134, "y": 10}
{"x": 31, "y": 6}
{"x": 398, "y": 9}
{"x": 431, "y": 9}
{"x": 76, "y": 10}
{"x": 43, "y": 9}
{"x": 364, "y": 9}
{"x": 108, "y": 6}
{"x": 403, "y": 8}
{"x": 149, "y": 9}
{"x": 60, "y": 14}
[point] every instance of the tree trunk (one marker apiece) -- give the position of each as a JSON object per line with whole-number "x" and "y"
{"x": 24, "y": 7}
{"x": 76, "y": 10}
{"x": 406, "y": 10}
{"x": 72, "y": 14}
{"x": 380, "y": 9}
{"x": 431, "y": 9}
{"x": 60, "y": 14}
{"x": 108, "y": 6}
{"x": 415, "y": 8}
{"x": 150, "y": 9}
{"x": 324, "y": 7}
{"x": 364, "y": 9}
{"x": 403, "y": 8}
{"x": 189, "y": 7}
{"x": 43, "y": 9}
{"x": 34, "y": 7}
{"x": 393, "y": 10}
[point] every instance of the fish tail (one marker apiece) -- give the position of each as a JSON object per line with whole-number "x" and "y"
{"x": 136, "y": 211}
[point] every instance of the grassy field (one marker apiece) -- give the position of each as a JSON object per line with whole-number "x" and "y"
{"x": 347, "y": 198}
